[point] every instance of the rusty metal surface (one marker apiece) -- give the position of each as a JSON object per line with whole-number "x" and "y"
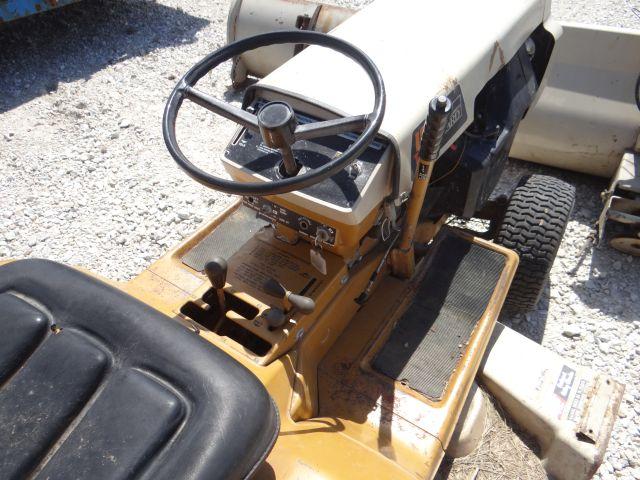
{"x": 620, "y": 217}
{"x": 628, "y": 245}
{"x": 14, "y": 9}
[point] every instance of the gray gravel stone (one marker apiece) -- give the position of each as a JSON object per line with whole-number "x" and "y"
{"x": 572, "y": 331}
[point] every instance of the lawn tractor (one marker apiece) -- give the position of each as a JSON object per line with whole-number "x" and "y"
{"x": 334, "y": 322}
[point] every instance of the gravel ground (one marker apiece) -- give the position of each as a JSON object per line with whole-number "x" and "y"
{"x": 85, "y": 178}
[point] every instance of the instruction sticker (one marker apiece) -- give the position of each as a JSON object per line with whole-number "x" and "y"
{"x": 262, "y": 262}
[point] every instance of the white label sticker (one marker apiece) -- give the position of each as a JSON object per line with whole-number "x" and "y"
{"x": 318, "y": 261}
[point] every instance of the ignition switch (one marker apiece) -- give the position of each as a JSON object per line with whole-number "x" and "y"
{"x": 322, "y": 235}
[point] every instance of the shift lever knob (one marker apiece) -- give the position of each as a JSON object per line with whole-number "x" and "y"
{"x": 216, "y": 270}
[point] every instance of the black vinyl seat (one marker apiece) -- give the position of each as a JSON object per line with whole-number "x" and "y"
{"x": 95, "y": 384}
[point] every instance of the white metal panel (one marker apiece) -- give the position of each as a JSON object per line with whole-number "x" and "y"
{"x": 250, "y": 17}
{"x": 570, "y": 410}
{"x": 421, "y": 48}
{"x": 587, "y": 114}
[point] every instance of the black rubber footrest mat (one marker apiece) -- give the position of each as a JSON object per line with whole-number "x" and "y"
{"x": 428, "y": 341}
{"x": 226, "y": 239}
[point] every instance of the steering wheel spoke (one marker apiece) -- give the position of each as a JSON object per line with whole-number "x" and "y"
{"x": 336, "y": 126}
{"x": 224, "y": 109}
{"x": 276, "y": 121}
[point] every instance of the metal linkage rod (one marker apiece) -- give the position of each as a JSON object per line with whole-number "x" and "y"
{"x": 403, "y": 260}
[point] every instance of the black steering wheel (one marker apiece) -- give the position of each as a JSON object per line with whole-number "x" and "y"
{"x": 275, "y": 121}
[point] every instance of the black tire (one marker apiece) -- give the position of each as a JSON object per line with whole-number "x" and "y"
{"x": 534, "y": 223}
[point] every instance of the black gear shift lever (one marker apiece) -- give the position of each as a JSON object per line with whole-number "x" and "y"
{"x": 216, "y": 271}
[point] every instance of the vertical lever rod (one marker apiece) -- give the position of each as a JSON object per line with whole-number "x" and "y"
{"x": 403, "y": 259}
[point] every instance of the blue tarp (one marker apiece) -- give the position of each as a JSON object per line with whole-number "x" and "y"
{"x": 12, "y": 9}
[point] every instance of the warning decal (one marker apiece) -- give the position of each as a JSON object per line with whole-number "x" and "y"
{"x": 563, "y": 386}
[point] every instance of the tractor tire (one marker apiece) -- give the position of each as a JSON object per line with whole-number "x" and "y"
{"x": 534, "y": 223}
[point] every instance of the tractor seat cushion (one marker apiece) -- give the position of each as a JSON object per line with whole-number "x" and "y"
{"x": 96, "y": 384}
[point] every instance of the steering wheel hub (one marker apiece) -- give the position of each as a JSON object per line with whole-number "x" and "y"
{"x": 276, "y": 115}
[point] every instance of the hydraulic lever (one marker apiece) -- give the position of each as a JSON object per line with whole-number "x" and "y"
{"x": 291, "y": 300}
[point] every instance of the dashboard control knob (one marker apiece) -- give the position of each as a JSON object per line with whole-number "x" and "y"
{"x": 304, "y": 223}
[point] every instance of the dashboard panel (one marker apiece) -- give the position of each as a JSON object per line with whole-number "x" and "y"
{"x": 305, "y": 226}
{"x": 343, "y": 190}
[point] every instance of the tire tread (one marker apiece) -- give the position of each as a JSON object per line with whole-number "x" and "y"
{"x": 533, "y": 226}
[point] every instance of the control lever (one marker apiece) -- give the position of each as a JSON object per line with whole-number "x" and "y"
{"x": 216, "y": 271}
{"x": 291, "y": 300}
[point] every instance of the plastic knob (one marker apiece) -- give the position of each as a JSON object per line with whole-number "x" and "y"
{"x": 302, "y": 303}
{"x": 216, "y": 271}
{"x": 275, "y": 317}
